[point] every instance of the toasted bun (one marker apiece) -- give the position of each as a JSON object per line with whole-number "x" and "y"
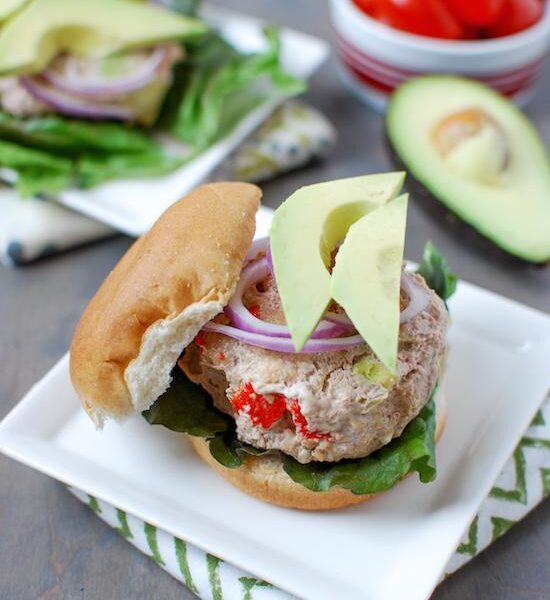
{"x": 264, "y": 477}
{"x": 172, "y": 280}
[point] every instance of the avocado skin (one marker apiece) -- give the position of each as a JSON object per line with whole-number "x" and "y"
{"x": 511, "y": 235}
{"x": 455, "y": 225}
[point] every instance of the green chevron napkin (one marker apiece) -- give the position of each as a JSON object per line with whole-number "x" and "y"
{"x": 523, "y": 483}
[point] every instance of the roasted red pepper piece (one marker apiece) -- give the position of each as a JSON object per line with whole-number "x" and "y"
{"x": 199, "y": 340}
{"x": 262, "y": 412}
{"x": 302, "y": 425}
{"x": 255, "y": 310}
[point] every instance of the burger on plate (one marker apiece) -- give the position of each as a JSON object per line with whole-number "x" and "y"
{"x": 201, "y": 329}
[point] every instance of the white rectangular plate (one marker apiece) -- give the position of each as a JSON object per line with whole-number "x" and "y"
{"x": 133, "y": 205}
{"x": 394, "y": 547}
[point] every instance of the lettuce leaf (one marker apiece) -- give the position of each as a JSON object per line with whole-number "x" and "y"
{"x": 229, "y": 451}
{"x": 186, "y": 407}
{"x": 91, "y": 170}
{"x": 435, "y": 271}
{"x": 217, "y": 86}
{"x": 57, "y": 134}
{"x": 37, "y": 169}
{"x": 52, "y": 153}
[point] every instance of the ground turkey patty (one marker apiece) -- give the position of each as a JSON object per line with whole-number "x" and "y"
{"x": 18, "y": 101}
{"x": 316, "y": 407}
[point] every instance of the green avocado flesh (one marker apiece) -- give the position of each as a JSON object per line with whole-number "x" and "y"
{"x": 497, "y": 181}
{"x": 306, "y": 229}
{"x": 366, "y": 278}
{"x": 8, "y": 7}
{"x": 45, "y": 28}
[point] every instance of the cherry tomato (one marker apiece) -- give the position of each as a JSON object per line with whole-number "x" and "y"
{"x": 367, "y": 6}
{"x": 516, "y": 16}
{"x": 430, "y": 18}
{"x": 476, "y": 13}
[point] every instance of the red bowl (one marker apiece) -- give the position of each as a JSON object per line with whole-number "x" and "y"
{"x": 376, "y": 59}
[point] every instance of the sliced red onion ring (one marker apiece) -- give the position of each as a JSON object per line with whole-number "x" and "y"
{"x": 242, "y": 318}
{"x": 72, "y": 82}
{"x": 278, "y": 344}
{"x": 419, "y": 298}
{"x": 257, "y": 248}
{"x": 341, "y": 319}
{"x": 269, "y": 259}
{"x": 75, "y": 107}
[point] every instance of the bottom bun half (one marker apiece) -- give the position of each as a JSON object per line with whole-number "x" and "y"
{"x": 264, "y": 477}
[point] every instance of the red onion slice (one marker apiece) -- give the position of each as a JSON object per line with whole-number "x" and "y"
{"x": 269, "y": 260}
{"x": 242, "y": 318}
{"x": 419, "y": 298}
{"x": 257, "y": 249}
{"x": 285, "y": 345}
{"x": 74, "y": 107}
{"x": 341, "y": 319}
{"x": 72, "y": 82}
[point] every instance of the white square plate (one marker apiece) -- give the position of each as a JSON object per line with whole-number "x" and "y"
{"x": 394, "y": 547}
{"x": 133, "y": 205}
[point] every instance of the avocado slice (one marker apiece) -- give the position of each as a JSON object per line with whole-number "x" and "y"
{"x": 306, "y": 229}
{"x": 8, "y": 7}
{"x": 44, "y": 28}
{"x": 474, "y": 151}
{"x": 366, "y": 278}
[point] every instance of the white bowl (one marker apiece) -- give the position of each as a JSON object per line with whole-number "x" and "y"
{"x": 376, "y": 58}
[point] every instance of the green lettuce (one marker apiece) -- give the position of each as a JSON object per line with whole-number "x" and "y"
{"x": 65, "y": 136}
{"x": 51, "y": 153}
{"x": 37, "y": 170}
{"x": 91, "y": 170}
{"x": 435, "y": 271}
{"x": 186, "y": 407}
{"x": 216, "y": 87}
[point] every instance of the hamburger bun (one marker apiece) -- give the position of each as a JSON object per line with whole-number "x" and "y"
{"x": 264, "y": 477}
{"x": 171, "y": 281}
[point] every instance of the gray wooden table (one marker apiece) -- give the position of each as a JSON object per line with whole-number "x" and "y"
{"x": 53, "y": 547}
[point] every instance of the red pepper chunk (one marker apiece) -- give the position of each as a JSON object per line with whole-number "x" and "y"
{"x": 255, "y": 310}
{"x": 302, "y": 425}
{"x": 262, "y": 412}
{"x": 199, "y": 340}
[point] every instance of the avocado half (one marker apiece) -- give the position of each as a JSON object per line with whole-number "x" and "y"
{"x": 478, "y": 155}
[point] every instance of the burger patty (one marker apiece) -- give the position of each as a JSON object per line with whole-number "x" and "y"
{"x": 318, "y": 407}
{"x": 19, "y": 102}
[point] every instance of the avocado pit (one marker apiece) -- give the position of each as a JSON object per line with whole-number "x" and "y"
{"x": 473, "y": 144}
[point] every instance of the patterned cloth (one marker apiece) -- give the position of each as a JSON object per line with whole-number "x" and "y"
{"x": 523, "y": 483}
{"x": 294, "y": 135}
{"x": 32, "y": 228}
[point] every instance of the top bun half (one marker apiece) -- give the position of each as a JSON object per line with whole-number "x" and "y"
{"x": 171, "y": 281}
